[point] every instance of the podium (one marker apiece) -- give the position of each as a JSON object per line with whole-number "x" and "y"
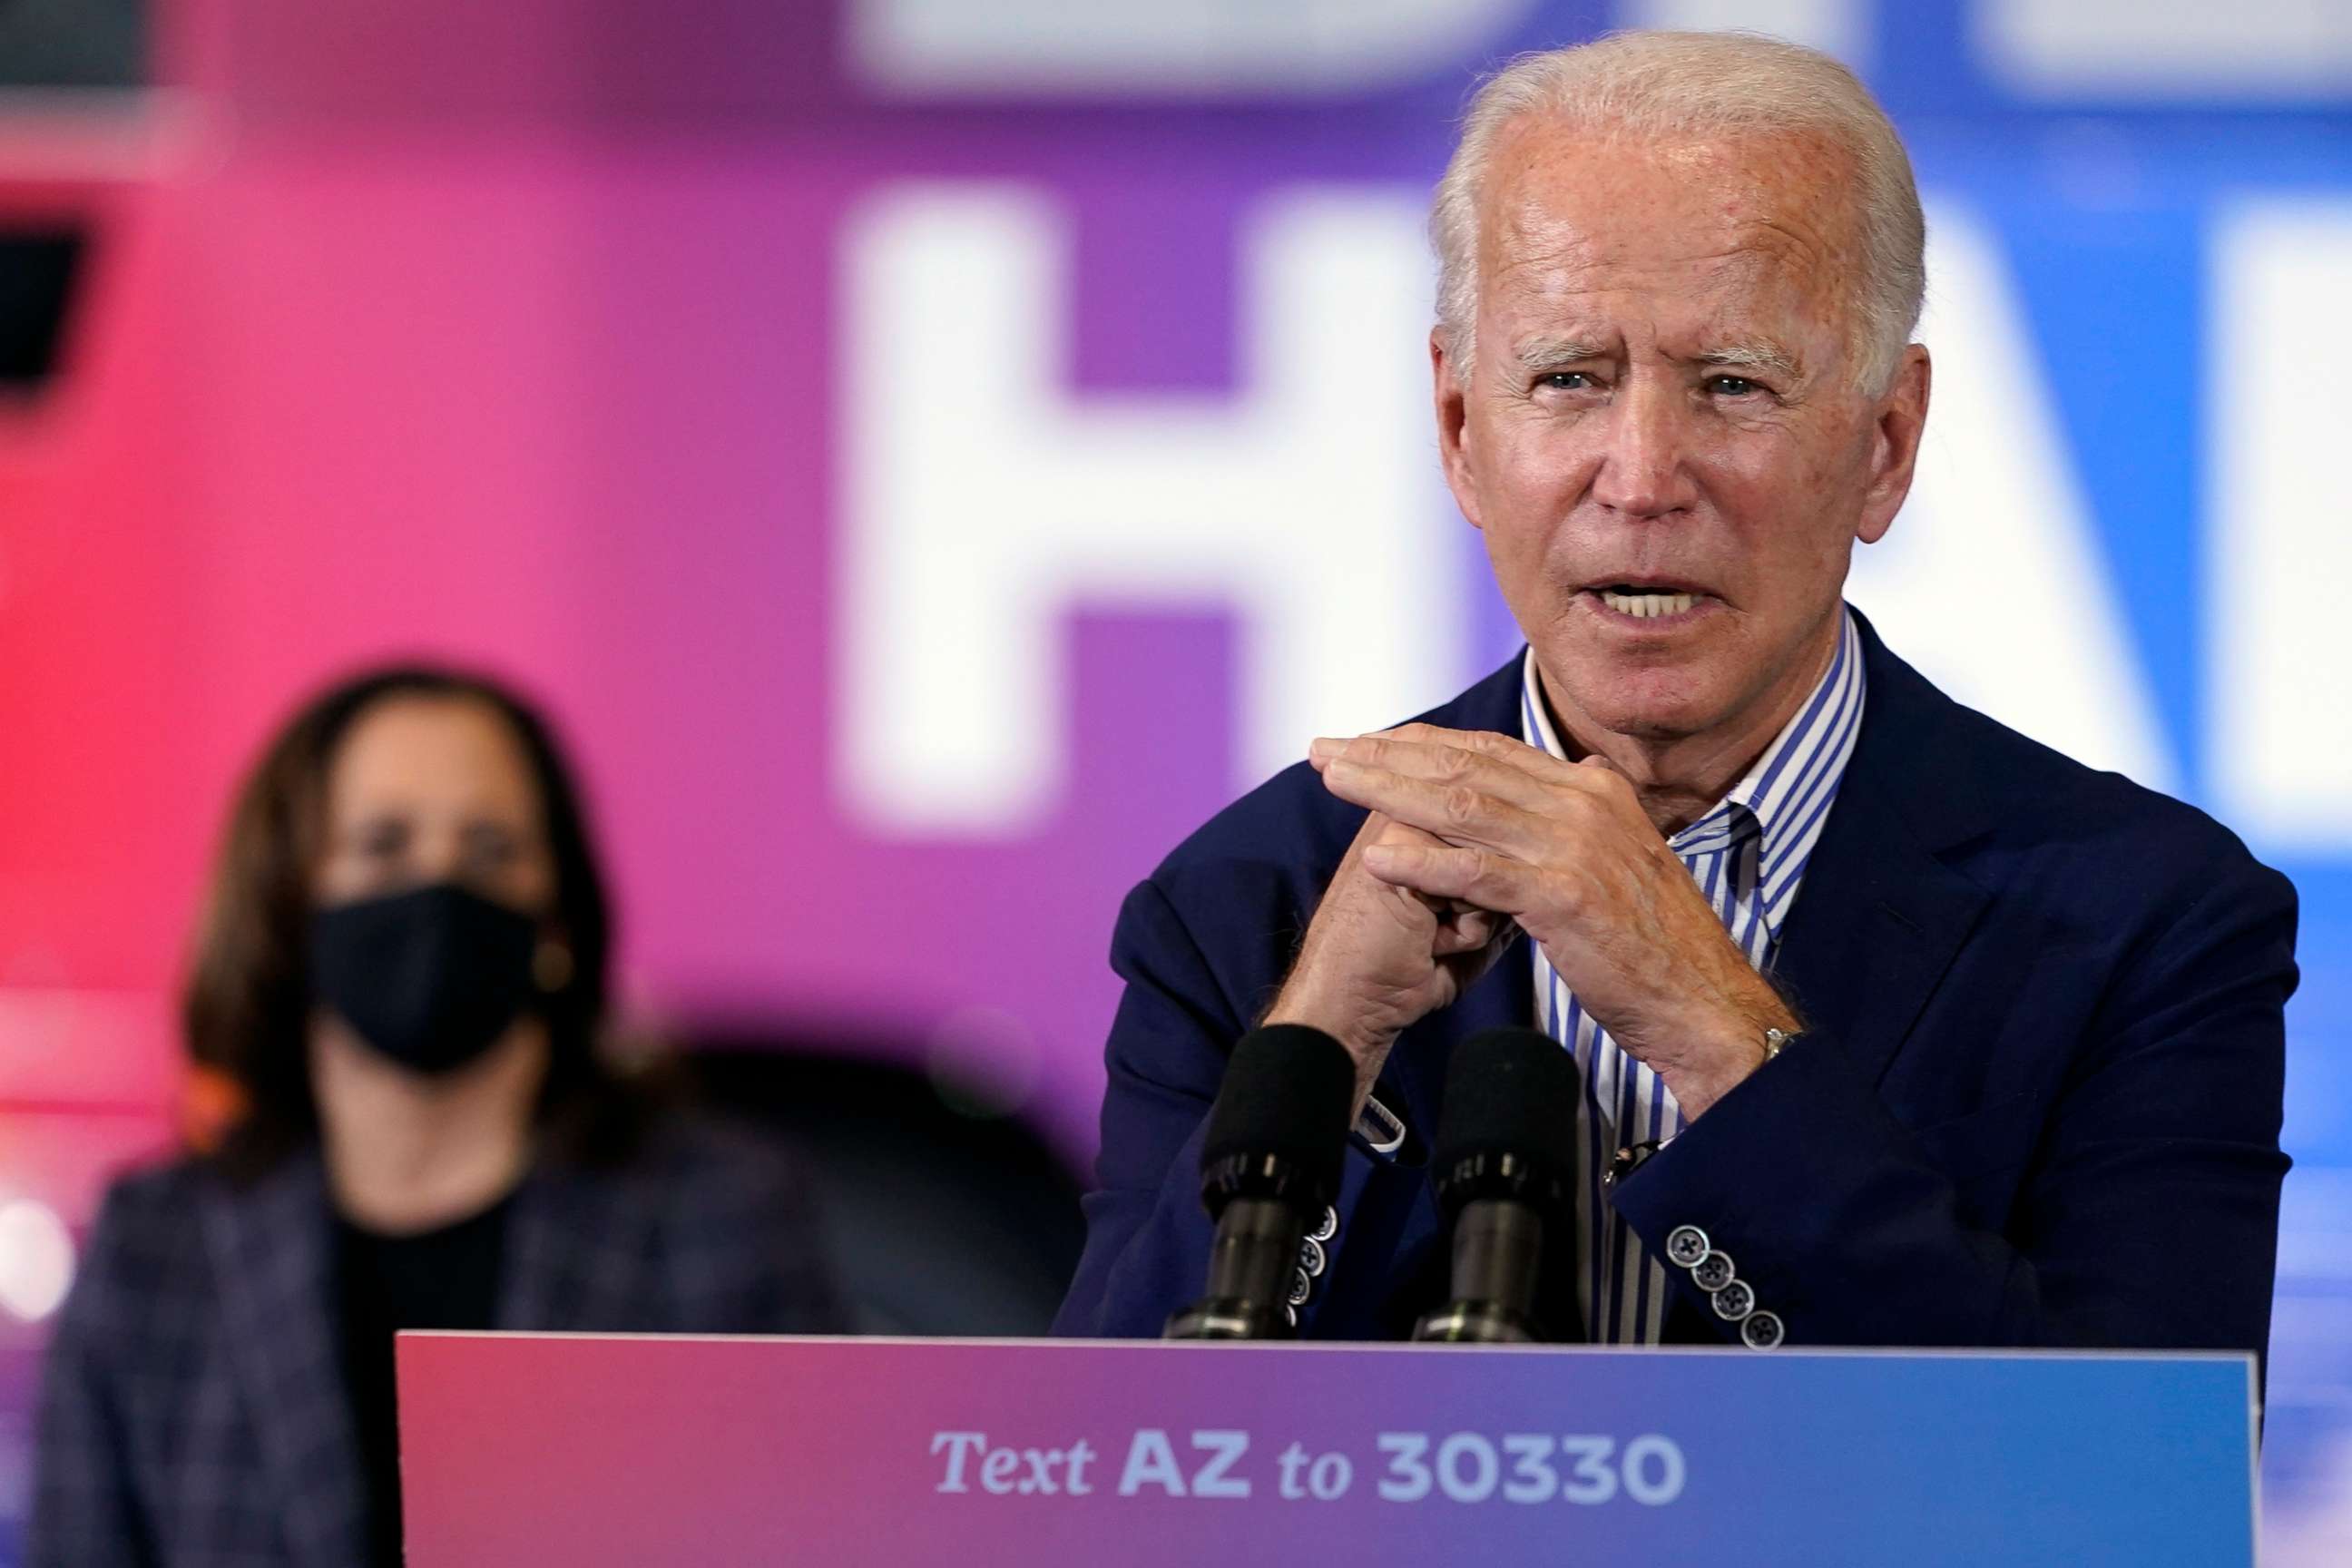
{"x": 591, "y": 1451}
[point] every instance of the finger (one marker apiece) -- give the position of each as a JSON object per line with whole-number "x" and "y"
{"x": 1380, "y": 827}
{"x": 1324, "y": 747}
{"x": 1508, "y": 751}
{"x": 1442, "y": 761}
{"x": 1492, "y": 882}
{"x": 1451, "y": 942}
{"x": 1469, "y": 931}
{"x": 1607, "y": 781}
{"x": 1500, "y": 758}
{"x": 1458, "y": 813}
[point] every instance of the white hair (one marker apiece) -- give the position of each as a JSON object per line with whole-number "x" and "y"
{"x": 1660, "y": 85}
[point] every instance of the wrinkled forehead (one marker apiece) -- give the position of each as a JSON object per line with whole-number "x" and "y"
{"x": 1764, "y": 222}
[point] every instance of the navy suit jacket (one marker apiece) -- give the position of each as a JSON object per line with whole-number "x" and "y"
{"x": 193, "y": 1412}
{"x": 2037, "y": 1100}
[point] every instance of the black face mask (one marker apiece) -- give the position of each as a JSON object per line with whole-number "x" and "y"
{"x": 430, "y": 977}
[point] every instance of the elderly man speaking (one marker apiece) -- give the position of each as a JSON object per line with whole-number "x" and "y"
{"x": 1936, "y": 1036}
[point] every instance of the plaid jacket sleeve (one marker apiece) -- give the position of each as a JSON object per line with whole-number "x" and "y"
{"x": 84, "y": 1512}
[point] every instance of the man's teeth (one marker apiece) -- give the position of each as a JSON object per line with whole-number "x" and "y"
{"x": 1647, "y": 605}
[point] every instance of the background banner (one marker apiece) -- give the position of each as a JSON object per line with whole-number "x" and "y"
{"x": 930, "y": 456}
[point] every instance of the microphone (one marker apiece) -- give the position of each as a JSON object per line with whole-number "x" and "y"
{"x": 1270, "y": 1163}
{"x": 1506, "y": 1145}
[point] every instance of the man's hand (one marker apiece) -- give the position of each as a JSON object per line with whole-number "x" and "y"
{"x": 1564, "y": 850}
{"x": 1379, "y": 956}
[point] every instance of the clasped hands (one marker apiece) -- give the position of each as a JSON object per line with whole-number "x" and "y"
{"x": 1475, "y": 837}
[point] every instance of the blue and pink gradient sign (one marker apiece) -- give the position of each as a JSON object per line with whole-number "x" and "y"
{"x": 591, "y": 1451}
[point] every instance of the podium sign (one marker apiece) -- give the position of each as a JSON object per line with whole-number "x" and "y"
{"x": 591, "y": 1451}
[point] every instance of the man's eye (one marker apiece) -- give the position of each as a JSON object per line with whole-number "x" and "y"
{"x": 1731, "y": 385}
{"x": 1565, "y": 379}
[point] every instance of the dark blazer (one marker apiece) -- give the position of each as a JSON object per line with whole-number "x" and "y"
{"x": 2037, "y": 1102}
{"x": 193, "y": 1412}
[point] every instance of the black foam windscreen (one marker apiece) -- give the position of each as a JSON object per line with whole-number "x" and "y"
{"x": 1287, "y": 1095}
{"x": 1509, "y": 1091}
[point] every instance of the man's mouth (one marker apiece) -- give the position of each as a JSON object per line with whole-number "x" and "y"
{"x": 1649, "y": 601}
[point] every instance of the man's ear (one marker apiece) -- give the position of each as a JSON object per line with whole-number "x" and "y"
{"x": 1902, "y": 415}
{"x": 1452, "y": 406}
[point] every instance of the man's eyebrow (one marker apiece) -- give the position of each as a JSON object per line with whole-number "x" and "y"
{"x": 1749, "y": 356}
{"x": 1541, "y": 354}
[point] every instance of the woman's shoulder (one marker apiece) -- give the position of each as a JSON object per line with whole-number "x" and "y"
{"x": 147, "y": 1241}
{"x": 157, "y": 1201}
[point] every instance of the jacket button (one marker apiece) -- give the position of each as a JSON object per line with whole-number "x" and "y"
{"x": 1761, "y": 1331}
{"x": 1734, "y": 1301}
{"x": 1329, "y": 1228}
{"x": 1712, "y": 1272}
{"x": 1685, "y": 1244}
{"x": 1301, "y": 1286}
{"x": 1310, "y": 1258}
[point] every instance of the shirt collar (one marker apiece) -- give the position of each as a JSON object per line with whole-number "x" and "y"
{"x": 1785, "y": 794}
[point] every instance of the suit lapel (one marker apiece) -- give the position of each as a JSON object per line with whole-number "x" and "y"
{"x": 272, "y": 1256}
{"x": 1877, "y": 924}
{"x": 1413, "y": 1081}
{"x": 1881, "y": 916}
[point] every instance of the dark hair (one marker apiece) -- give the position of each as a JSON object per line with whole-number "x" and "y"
{"x": 247, "y": 1005}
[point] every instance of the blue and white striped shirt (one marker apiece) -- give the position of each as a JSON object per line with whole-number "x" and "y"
{"x": 1748, "y": 854}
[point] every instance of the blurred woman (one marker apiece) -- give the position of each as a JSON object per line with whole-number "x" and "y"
{"x": 401, "y": 970}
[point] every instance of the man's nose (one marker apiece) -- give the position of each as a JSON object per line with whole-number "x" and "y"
{"x": 1643, "y": 470}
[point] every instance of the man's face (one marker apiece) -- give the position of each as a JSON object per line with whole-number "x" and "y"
{"x": 1660, "y": 439}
